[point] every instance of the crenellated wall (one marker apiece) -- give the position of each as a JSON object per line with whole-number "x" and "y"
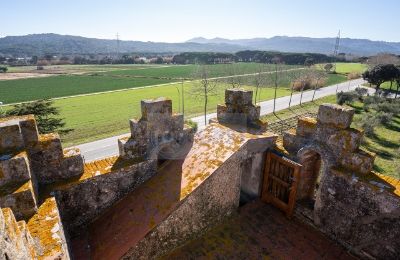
{"x": 353, "y": 205}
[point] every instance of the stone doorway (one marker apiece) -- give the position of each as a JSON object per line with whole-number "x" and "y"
{"x": 310, "y": 178}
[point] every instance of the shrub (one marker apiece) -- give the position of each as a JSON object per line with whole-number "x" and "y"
{"x": 361, "y": 92}
{"x": 308, "y": 83}
{"x": 391, "y": 107}
{"x": 368, "y": 123}
{"x": 346, "y": 97}
{"x": 353, "y": 75}
{"x": 385, "y": 118}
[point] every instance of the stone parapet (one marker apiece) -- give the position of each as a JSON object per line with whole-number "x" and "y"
{"x": 333, "y": 133}
{"x": 158, "y": 129}
{"x": 239, "y": 110}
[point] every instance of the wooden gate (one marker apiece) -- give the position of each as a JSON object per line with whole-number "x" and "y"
{"x": 281, "y": 176}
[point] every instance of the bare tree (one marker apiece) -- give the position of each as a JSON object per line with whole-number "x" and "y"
{"x": 205, "y": 87}
{"x": 233, "y": 76}
{"x": 259, "y": 81}
{"x": 383, "y": 59}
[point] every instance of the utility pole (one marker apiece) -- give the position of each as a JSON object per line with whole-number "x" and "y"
{"x": 336, "y": 51}
{"x": 118, "y": 42}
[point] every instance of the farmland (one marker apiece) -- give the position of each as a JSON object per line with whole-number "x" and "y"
{"x": 98, "y": 116}
{"x": 93, "y": 79}
{"x": 123, "y": 86}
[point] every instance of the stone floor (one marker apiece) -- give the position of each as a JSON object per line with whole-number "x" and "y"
{"x": 260, "y": 231}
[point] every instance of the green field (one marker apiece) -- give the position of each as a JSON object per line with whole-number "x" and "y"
{"x": 112, "y": 78}
{"x": 107, "y": 114}
{"x": 99, "y": 116}
{"x": 385, "y": 144}
{"x": 13, "y": 91}
{"x": 346, "y": 68}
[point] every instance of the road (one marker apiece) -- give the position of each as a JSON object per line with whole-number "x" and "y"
{"x": 109, "y": 146}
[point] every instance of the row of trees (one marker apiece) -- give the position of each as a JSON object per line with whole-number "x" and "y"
{"x": 251, "y": 56}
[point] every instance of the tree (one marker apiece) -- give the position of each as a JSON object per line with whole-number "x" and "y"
{"x": 46, "y": 115}
{"x": 233, "y": 76}
{"x": 380, "y": 74}
{"x": 309, "y": 62}
{"x": 204, "y": 87}
{"x": 3, "y": 69}
{"x": 328, "y": 67}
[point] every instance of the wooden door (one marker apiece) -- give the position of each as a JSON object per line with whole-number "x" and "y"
{"x": 281, "y": 176}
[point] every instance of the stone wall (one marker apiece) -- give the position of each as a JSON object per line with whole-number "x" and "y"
{"x": 28, "y": 159}
{"x": 354, "y": 205}
{"x": 83, "y": 201}
{"x": 215, "y": 199}
{"x": 362, "y": 216}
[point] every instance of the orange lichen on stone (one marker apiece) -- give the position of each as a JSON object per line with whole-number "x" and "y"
{"x": 93, "y": 169}
{"x": 204, "y": 159}
{"x": 279, "y": 146}
{"x": 45, "y": 227}
{"x": 154, "y": 200}
{"x": 11, "y": 227}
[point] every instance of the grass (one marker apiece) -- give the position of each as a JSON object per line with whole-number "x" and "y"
{"x": 346, "y": 68}
{"x": 110, "y": 78}
{"x": 99, "y": 116}
{"x": 385, "y": 143}
{"x": 189, "y": 71}
{"x": 22, "y": 90}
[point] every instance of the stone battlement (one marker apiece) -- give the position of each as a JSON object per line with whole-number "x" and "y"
{"x": 331, "y": 134}
{"x": 240, "y": 110}
{"x": 159, "y": 133}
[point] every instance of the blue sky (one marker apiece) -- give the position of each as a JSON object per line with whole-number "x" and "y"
{"x": 180, "y": 20}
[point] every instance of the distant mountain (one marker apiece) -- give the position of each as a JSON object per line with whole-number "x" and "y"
{"x": 306, "y": 44}
{"x": 41, "y": 44}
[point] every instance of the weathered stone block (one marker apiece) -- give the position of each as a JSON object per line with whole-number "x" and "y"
{"x": 291, "y": 141}
{"x": 348, "y": 140}
{"x": 335, "y": 115}
{"x": 22, "y": 201}
{"x": 239, "y": 97}
{"x": 154, "y": 107}
{"x": 359, "y": 161}
{"x": 306, "y": 126}
{"x": 10, "y": 138}
{"x": 14, "y": 170}
{"x": 29, "y": 130}
{"x": 72, "y": 164}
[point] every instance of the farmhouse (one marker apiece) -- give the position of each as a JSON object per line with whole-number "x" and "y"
{"x": 232, "y": 190}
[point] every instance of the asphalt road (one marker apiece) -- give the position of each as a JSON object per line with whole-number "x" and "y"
{"x": 109, "y": 146}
